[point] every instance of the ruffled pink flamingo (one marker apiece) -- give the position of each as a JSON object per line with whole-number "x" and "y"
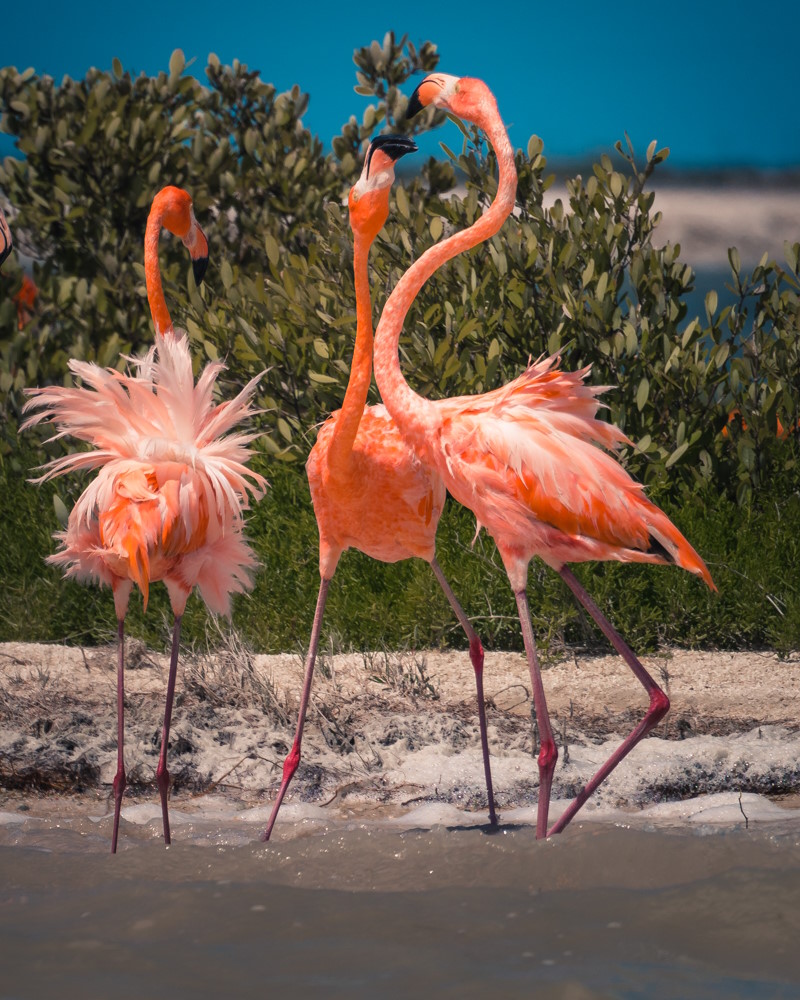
{"x": 168, "y": 500}
{"x": 369, "y": 490}
{"x": 526, "y": 458}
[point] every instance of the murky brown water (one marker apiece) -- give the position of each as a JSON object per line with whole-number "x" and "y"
{"x": 375, "y": 911}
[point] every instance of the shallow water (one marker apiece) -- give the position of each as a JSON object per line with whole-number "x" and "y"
{"x": 392, "y": 908}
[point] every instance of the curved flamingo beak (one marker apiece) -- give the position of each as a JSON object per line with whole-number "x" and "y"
{"x": 199, "y": 269}
{"x": 392, "y": 147}
{"x": 431, "y": 87}
{"x": 197, "y": 245}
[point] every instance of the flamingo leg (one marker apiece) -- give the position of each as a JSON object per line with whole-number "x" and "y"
{"x": 659, "y": 702}
{"x": 162, "y": 774}
{"x": 293, "y": 757}
{"x": 476, "y": 656}
{"x": 119, "y": 778}
{"x": 548, "y": 753}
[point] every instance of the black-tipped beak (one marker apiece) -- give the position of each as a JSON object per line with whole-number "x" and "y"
{"x": 394, "y": 146}
{"x": 414, "y": 104}
{"x": 199, "y": 265}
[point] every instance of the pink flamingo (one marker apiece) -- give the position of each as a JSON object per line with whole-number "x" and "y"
{"x": 168, "y": 501}
{"x": 25, "y": 298}
{"x": 525, "y": 458}
{"x": 5, "y": 238}
{"x": 369, "y": 490}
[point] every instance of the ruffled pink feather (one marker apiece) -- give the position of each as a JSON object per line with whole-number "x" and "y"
{"x": 173, "y": 483}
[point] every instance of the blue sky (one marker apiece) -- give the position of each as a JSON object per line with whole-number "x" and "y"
{"x": 717, "y": 82}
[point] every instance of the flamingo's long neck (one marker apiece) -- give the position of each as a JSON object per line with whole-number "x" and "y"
{"x": 414, "y": 415}
{"x": 355, "y": 398}
{"x": 152, "y": 274}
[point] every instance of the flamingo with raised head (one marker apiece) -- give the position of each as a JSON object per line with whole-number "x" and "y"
{"x": 168, "y": 500}
{"x": 369, "y": 490}
{"x": 528, "y": 458}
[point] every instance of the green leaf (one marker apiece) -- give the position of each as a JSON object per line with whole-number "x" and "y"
{"x": 673, "y": 458}
{"x": 403, "y": 206}
{"x": 62, "y": 514}
{"x": 272, "y": 248}
{"x": 791, "y": 253}
{"x": 177, "y": 61}
{"x": 642, "y": 393}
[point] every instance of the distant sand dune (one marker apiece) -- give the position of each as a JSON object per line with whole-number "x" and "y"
{"x": 706, "y": 220}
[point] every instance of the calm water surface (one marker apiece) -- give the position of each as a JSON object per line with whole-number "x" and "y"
{"x": 372, "y": 910}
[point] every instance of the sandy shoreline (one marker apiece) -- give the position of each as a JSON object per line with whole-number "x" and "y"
{"x": 706, "y": 220}
{"x": 389, "y": 733}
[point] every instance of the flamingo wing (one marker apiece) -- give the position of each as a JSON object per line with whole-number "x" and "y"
{"x": 529, "y": 459}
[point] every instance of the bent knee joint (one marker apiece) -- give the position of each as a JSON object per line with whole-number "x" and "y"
{"x": 548, "y": 755}
{"x": 659, "y": 706}
{"x": 476, "y": 655}
{"x": 291, "y": 763}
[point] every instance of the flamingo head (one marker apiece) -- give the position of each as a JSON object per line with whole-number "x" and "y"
{"x": 173, "y": 208}
{"x": 369, "y": 196}
{"x": 464, "y": 97}
{"x": 5, "y": 239}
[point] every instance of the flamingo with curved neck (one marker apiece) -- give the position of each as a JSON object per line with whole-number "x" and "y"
{"x": 168, "y": 501}
{"x": 172, "y": 210}
{"x": 369, "y": 490}
{"x": 528, "y": 458}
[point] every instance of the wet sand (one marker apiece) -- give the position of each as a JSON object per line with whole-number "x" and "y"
{"x": 388, "y": 733}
